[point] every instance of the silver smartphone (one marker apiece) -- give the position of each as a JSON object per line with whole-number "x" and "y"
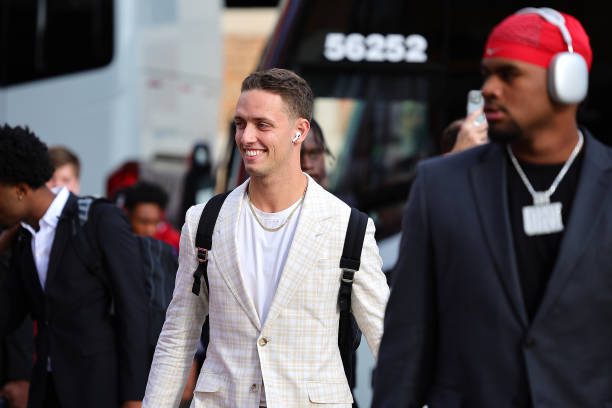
{"x": 476, "y": 101}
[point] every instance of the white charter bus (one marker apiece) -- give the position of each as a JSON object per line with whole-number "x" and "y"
{"x": 112, "y": 79}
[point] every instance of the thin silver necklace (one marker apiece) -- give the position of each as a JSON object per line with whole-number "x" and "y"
{"x": 543, "y": 197}
{"x": 286, "y": 220}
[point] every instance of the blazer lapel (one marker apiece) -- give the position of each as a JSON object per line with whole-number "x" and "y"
{"x": 304, "y": 249}
{"x": 489, "y": 185}
{"x": 592, "y": 197}
{"x": 63, "y": 232}
{"x": 225, "y": 255}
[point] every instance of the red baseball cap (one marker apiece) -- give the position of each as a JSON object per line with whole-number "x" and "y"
{"x": 528, "y": 37}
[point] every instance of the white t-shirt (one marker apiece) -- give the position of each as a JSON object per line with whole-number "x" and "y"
{"x": 262, "y": 255}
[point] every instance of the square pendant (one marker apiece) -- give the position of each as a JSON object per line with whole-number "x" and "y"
{"x": 542, "y": 219}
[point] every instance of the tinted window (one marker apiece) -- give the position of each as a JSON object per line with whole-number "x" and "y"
{"x": 45, "y": 38}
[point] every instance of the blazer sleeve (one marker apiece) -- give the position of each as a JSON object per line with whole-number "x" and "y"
{"x": 370, "y": 292}
{"x": 122, "y": 261}
{"x": 181, "y": 331}
{"x": 17, "y": 348}
{"x": 13, "y": 298}
{"x": 406, "y": 359}
{"x": 19, "y": 352}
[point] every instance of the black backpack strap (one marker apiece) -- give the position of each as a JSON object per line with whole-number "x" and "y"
{"x": 351, "y": 256}
{"x": 83, "y": 238}
{"x": 83, "y": 206}
{"x": 203, "y": 240}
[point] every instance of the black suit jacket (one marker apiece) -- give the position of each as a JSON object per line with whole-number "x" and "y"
{"x": 456, "y": 329}
{"x": 97, "y": 360}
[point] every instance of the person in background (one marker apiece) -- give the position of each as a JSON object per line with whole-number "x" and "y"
{"x": 461, "y": 134}
{"x": 313, "y": 153}
{"x": 198, "y": 183}
{"x": 144, "y": 204}
{"x": 502, "y": 294}
{"x": 67, "y": 169}
{"x": 87, "y": 353}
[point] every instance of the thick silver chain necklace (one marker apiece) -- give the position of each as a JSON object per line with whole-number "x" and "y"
{"x": 284, "y": 222}
{"x": 544, "y": 217}
{"x": 543, "y": 197}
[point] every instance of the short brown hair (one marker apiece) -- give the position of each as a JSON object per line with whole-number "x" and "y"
{"x": 293, "y": 89}
{"x": 61, "y": 155}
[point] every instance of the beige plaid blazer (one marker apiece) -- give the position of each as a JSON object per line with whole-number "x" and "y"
{"x": 295, "y": 353}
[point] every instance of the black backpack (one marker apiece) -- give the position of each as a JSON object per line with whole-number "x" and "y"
{"x": 349, "y": 335}
{"x": 159, "y": 263}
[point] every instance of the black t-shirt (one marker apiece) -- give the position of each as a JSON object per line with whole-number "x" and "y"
{"x": 536, "y": 255}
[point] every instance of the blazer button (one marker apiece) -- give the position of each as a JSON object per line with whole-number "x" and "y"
{"x": 253, "y": 388}
{"x": 263, "y": 341}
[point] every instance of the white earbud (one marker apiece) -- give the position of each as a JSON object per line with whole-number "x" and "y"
{"x": 296, "y": 137}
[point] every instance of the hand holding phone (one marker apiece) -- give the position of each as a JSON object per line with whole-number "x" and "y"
{"x": 473, "y": 130}
{"x": 476, "y": 101}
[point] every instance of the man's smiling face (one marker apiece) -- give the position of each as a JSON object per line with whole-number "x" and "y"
{"x": 264, "y": 129}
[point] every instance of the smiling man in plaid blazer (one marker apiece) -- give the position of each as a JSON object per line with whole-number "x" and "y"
{"x": 273, "y": 273}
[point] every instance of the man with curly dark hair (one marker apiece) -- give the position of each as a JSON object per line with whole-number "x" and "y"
{"x": 87, "y": 354}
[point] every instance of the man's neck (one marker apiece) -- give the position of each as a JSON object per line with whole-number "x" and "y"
{"x": 278, "y": 193}
{"x": 550, "y": 146}
{"x": 41, "y": 201}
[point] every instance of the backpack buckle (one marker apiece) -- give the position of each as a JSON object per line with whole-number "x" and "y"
{"x": 202, "y": 254}
{"x": 348, "y": 275}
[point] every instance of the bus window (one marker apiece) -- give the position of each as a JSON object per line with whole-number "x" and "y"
{"x": 42, "y": 39}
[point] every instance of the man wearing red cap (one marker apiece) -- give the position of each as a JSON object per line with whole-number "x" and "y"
{"x": 509, "y": 304}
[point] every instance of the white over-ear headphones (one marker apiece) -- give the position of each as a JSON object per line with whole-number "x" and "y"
{"x": 296, "y": 137}
{"x": 568, "y": 74}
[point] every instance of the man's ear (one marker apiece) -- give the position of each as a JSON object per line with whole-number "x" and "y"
{"x": 303, "y": 126}
{"x": 22, "y": 190}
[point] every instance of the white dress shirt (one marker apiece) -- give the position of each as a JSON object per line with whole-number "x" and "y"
{"x": 42, "y": 240}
